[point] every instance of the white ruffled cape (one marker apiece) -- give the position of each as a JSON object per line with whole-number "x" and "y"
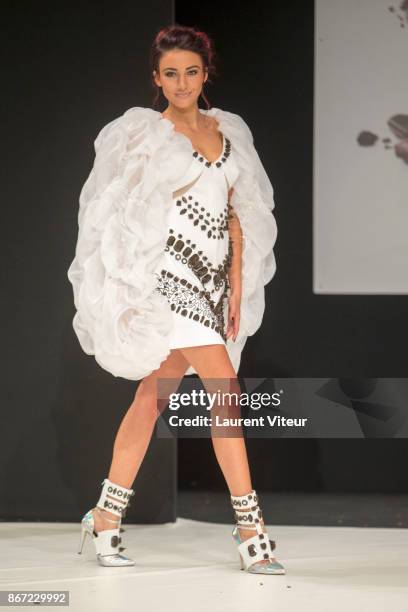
{"x": 140, "y": 158}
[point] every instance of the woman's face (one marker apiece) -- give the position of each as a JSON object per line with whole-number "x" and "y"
{"x": 181, "y": 76}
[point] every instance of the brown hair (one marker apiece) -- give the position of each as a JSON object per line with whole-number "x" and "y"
{"x": 186, "y": 38}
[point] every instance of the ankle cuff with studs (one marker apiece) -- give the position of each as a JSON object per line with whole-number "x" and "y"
{"x": 114, "y": 498}
{"x": 244, "y": 501}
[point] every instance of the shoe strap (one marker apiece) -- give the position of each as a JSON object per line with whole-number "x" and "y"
{"x": 107, "y": 542}
{"x": 249, "y": 519}
{"x": 249, "y": 514}
{"x": 257, "y": 548}
{"x": 244, "y": 501}
{"x": 114, "y": 498}
{"x": 105, "y": 518}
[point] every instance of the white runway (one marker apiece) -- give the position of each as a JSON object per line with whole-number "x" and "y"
{"x": 194, "y": 566}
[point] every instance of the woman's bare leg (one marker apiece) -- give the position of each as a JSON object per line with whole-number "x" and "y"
{"x": 136, "y": 428}
{"x": 212, "y": 361}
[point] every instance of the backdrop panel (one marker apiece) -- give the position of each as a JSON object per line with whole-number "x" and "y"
{"x": 361, "y": 147}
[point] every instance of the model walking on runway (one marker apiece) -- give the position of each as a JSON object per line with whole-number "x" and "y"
{"x": 175, "y": 246}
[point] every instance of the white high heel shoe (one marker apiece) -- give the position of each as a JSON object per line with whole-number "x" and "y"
{"x": 115, "y": 499}
{"x": 259, "y": 547}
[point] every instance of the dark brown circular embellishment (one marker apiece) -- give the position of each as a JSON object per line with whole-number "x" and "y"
{"x": 252, "y": 550}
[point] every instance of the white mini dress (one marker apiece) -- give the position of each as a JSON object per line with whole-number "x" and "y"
{"x": 193, "y": 273}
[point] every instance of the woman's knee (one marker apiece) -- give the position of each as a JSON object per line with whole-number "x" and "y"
{"x": 145, "y": 399}
{"x": 210, "y": 361}
{"x": 154, "y": 390}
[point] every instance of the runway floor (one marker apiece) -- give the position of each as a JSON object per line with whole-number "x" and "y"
{"x": 194, "y": 565}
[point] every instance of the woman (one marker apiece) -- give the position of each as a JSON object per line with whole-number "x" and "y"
{"x": 176, "y": 232}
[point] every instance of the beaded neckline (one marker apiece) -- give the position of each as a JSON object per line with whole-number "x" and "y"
{"x": 221, "y": 159}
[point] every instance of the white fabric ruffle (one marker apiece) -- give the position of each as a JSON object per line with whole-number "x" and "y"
{"x": 140, "y": 160}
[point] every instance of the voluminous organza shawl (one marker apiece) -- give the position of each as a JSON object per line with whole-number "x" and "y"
{"x": 140, "y": 159}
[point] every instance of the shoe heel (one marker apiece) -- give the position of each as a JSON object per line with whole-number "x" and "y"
{"x": 82, "y": 540}
{"x": 242, "y": 562}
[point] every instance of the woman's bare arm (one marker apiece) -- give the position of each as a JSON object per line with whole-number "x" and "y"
{"x": 236, "y": 237}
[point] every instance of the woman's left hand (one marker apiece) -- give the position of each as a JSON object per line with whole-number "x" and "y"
{"x": 234, "y": 311}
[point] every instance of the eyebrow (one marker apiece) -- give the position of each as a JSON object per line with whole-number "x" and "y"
{"x": 188, "y": 68}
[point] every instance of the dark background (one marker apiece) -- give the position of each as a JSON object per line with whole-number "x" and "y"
{"x": 70, "y": 69}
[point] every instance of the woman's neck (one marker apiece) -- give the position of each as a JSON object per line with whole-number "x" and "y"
{"x": 189, "y": 118}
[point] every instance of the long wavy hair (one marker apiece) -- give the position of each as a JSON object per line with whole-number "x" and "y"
{"x": 189, "y": 39}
